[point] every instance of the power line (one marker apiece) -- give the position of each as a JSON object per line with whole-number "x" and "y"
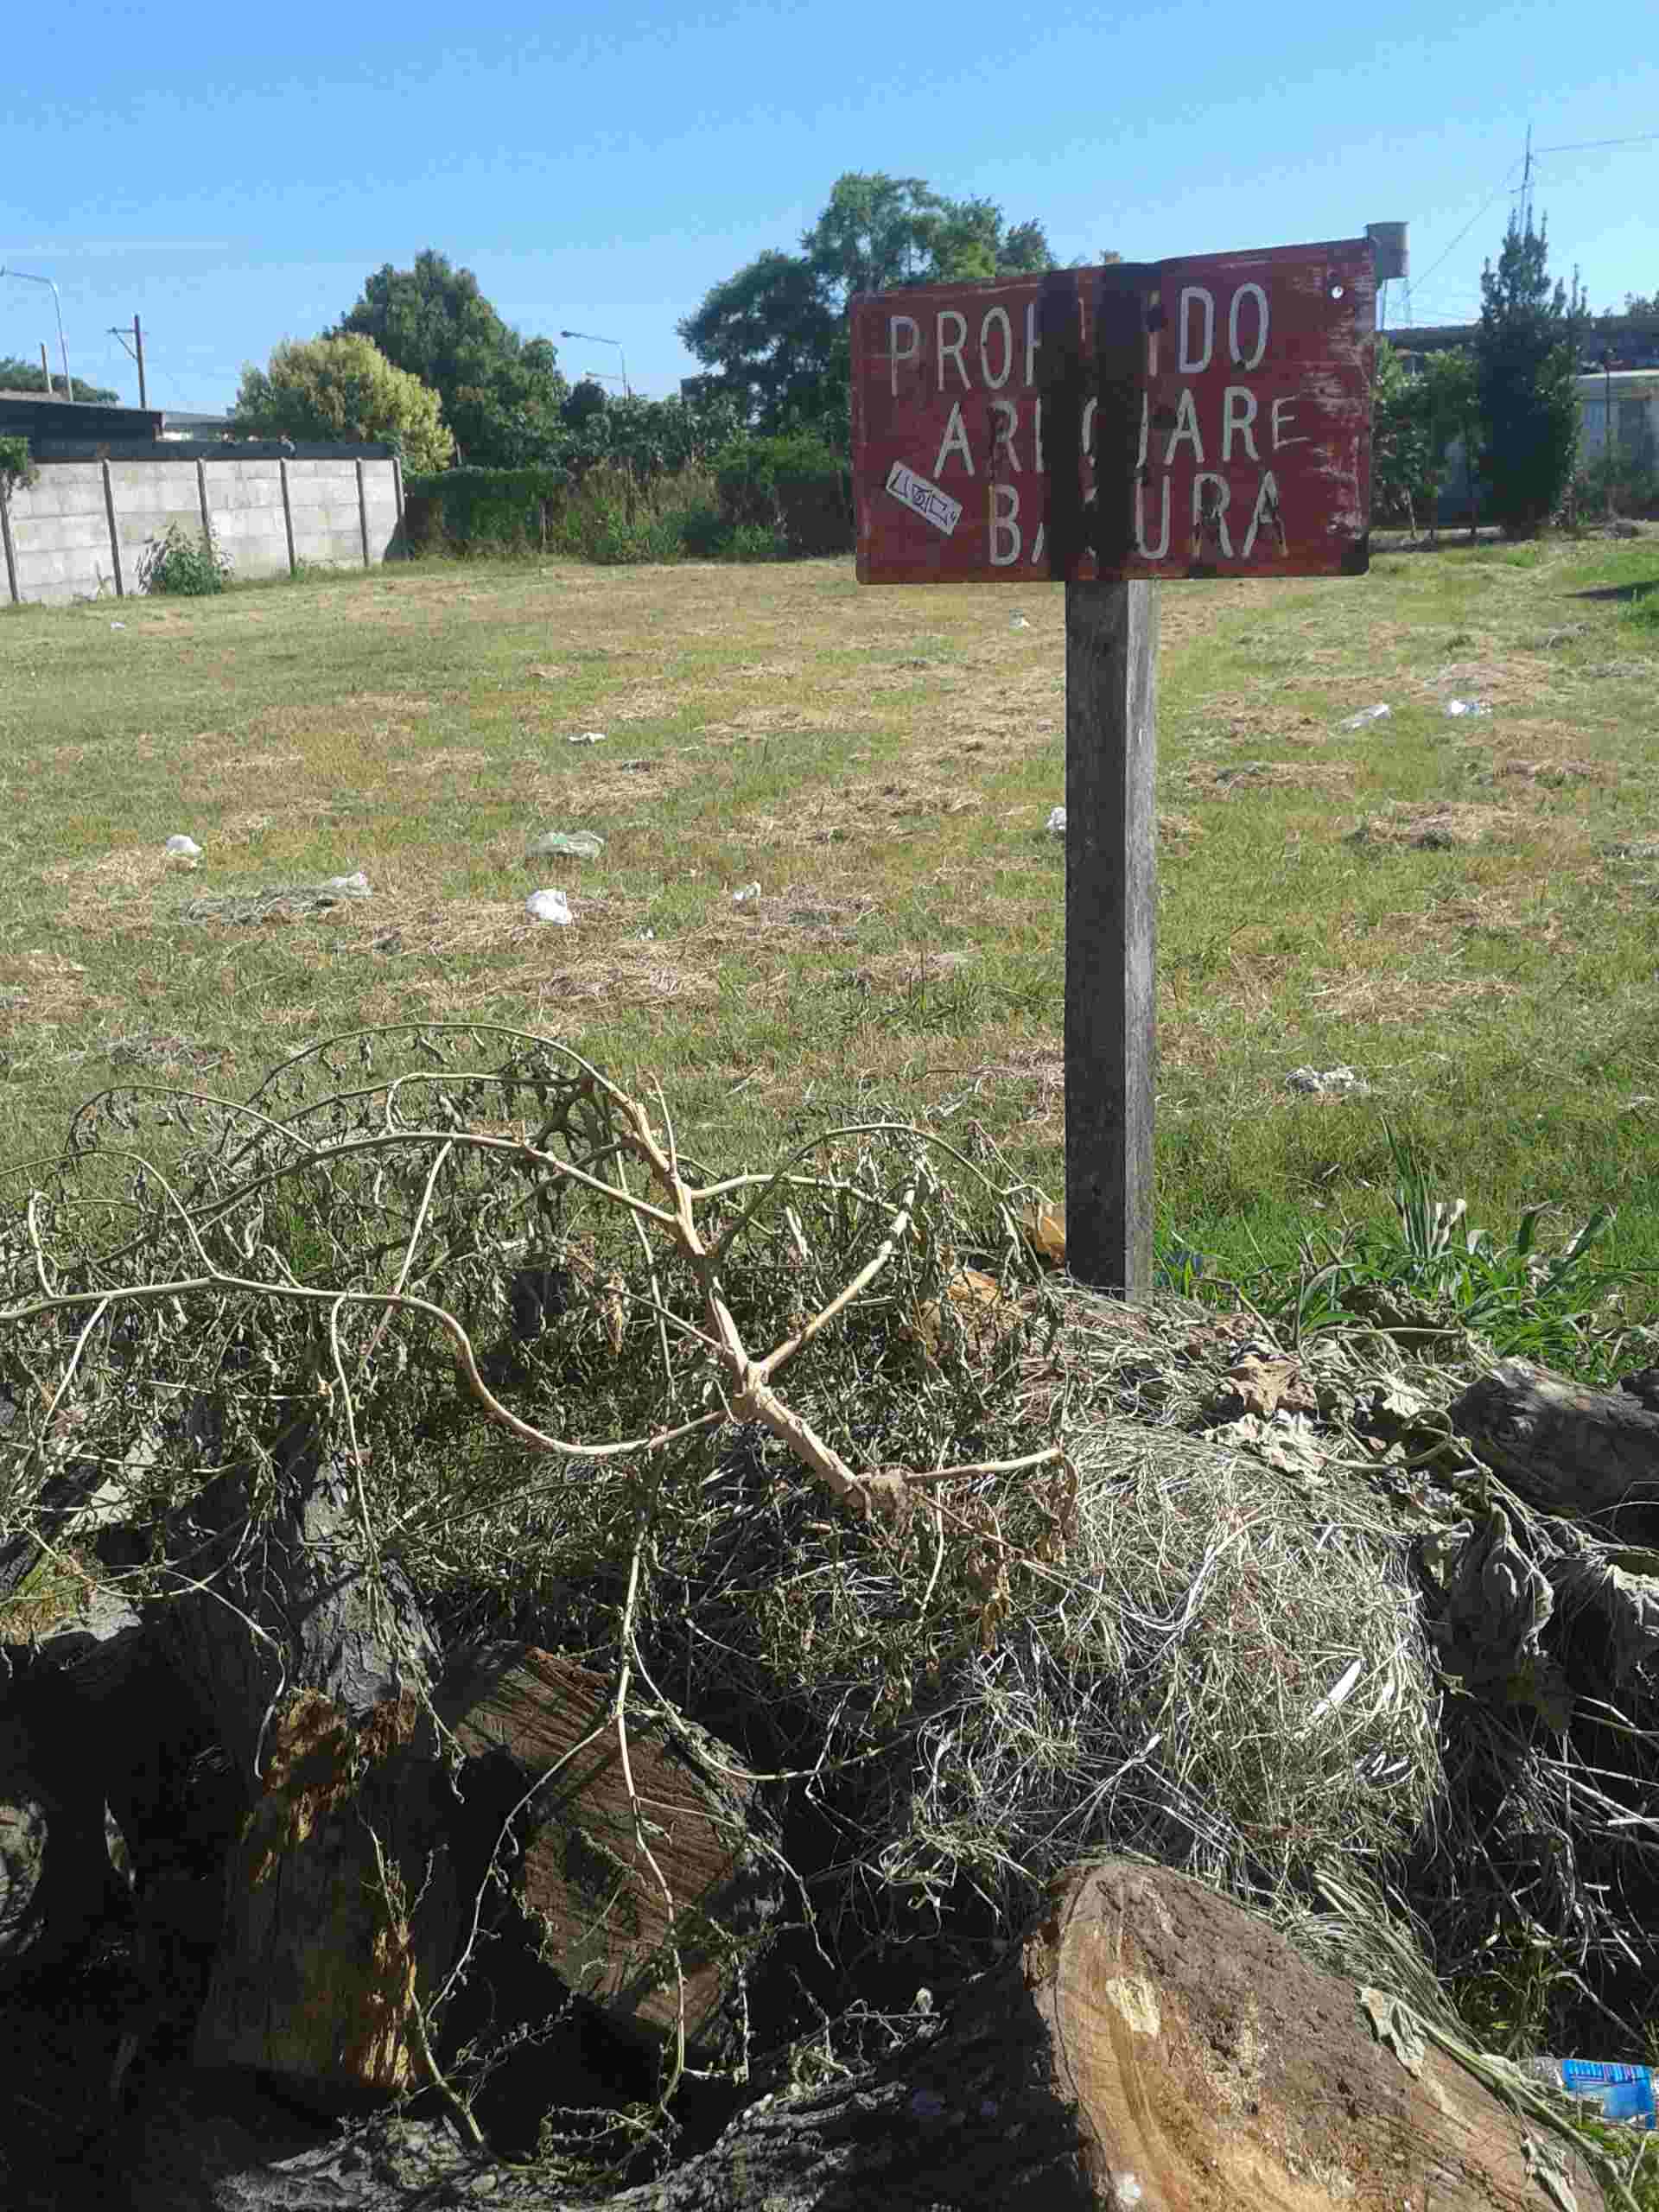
{"x": 1585, "y": 145}
{"x": 1468, "y": 225}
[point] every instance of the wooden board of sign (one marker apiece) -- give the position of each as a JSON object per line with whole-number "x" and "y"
{"x": 1104, "y": 428}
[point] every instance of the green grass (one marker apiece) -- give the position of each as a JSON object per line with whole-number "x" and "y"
{"x": 1462, "y": 909}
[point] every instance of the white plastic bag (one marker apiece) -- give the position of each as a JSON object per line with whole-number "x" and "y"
{"x": 187, "y": 847}
{"x": 1380, "y": 713}
{"x": 1057, "y": 821}
{"x": 549, "y": 906}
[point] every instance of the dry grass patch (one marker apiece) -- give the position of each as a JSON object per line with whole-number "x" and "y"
{"x": 1241, "y": 778}
{"x": 1435, "y": 827}
{"x": 38, "y": 987}
{"x": 1388, "y": 998}
{"x": 621, "y": 975}
{"x": 1553, "y": 774}
{"x": 592, "y": 789}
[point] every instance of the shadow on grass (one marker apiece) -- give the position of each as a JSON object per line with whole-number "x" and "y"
{"x": 1626, "y": 595}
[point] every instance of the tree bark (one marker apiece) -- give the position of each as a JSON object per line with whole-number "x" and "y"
{"x": 1149, "y": 2043}
{"x": 595, "y": 1900}
{"x": 1566, "y": 1449}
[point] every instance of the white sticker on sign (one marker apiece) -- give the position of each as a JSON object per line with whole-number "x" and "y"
{"x": 924, "y": 498}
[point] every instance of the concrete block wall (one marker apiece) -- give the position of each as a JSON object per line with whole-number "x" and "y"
{"x": 80, "y": 529}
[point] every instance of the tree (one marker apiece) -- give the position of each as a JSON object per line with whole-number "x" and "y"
{"x": 1415, "y": 419}
{"x": 17, "y": 375}
{"x": 775, "y": 333}
{"x": 343, "y": 389}
{"x": 1525, "y": 370}
{"x": 501, "y": 394}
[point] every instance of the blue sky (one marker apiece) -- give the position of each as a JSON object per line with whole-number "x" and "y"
{"x": 233, "y": 175}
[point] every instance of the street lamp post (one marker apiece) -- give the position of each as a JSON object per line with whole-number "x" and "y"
{"x": 594, "y": 339}
{"x": 68, "y": 387}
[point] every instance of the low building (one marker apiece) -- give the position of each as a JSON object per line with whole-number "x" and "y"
{"x": 60, "y": 428}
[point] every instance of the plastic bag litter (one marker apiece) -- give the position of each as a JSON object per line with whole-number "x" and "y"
{"x": 1455, "y": 707}
{"x": 355, "y": 885}
{"x": 746, "y": 896}
{"x": 1057, "y": 821}
{"x": 549, "y": 906}
{"x": 117, "y": 625}
{"x": 185, "y": 846}
{"x": 1328, "y": 1083}
{"x": 1620, "y": 2091}
{"x": 566, "y": 844}
{"x": 1018, "y": 622}
{"x": 1379, "y": 713}
{"x": 587, "y": 737}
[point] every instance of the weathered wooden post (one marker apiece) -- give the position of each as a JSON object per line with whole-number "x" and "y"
{"x": 1106, "y": 428}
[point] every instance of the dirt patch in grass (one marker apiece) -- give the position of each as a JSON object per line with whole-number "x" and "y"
{"x": 1435, "y": 827}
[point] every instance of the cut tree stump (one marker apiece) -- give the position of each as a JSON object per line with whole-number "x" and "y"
{"x": 577, "y": 1871}
{"x": 297, "y": 1605}
{"x": 1566, "y": 1449}
{"x": 1149, "y": 2044}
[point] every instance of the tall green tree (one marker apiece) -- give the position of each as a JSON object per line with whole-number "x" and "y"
{"x": 17, "y": 375}
{"x": 774, "y": 335}
{"x": 501, "y": 394}
{"x": 1526, "y": 369}
{"x": 343, "y": 389}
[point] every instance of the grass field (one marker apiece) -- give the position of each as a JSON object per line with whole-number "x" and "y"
{"x": 1462, "y": 909}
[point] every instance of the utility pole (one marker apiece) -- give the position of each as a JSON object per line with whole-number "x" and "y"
{"x": 136, "y": 350}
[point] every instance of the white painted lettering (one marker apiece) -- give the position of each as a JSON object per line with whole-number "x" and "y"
{"x": 1146, "y": 424}
{"x": 896, "y": 356}
{"x": 1237, "y": 413}
{"x": 1211, "y": 496}
{"x": 1281, "y": 415}
{"x": 1004, "y": 525}
{"x": 1037, "y": 544}
{"x": 1007, "y": 422}
{"x": 1031, "y": 345}
{"x": 952, "y": 351}
{"x": 1187, "y": 362}
{"x": 996, "y": 318}
{"x": 1160, "y": 550}
{"x": 1240, "y": 360}
{"x": 1267, "y": 510}
{"x": 1037, "y": 418}
{"x": 1186, "y": 426}
{"x": 955, "y": 441}
{"x": 1154, "y": 301}
{"x": 1091, "y": 407}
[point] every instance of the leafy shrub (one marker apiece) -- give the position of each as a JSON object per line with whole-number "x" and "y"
{"x": 1627, "y": 483}
{"x": 15, "y": 467}
{"x": 343, "y": 389}
{"x": 792, "y": 485}
{"x": 183, "y": 564}
{"x": 469, "y": 509}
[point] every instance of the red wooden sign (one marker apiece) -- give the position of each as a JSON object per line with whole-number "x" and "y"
{"x": 1219, "y": 411}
